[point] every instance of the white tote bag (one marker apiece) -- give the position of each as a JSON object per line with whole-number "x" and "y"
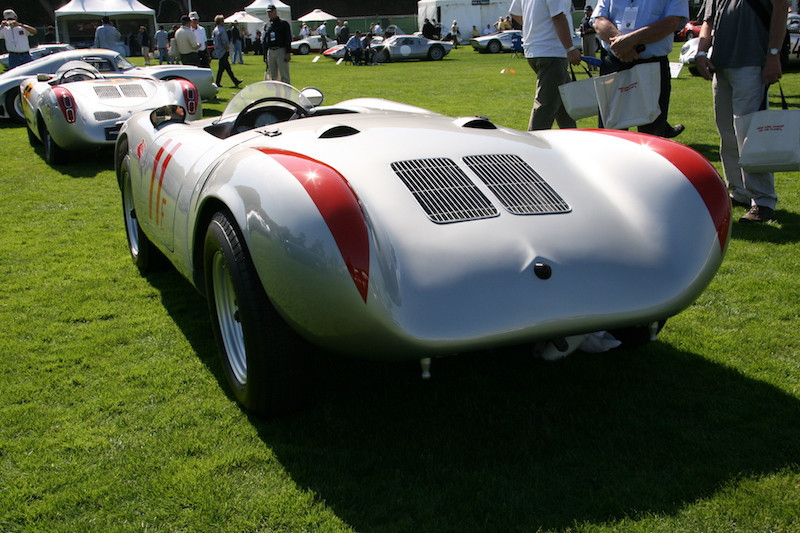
{"x": 769, "y": 140}
{"x": 579, "y": 97}
{"x": 629, "y": 97}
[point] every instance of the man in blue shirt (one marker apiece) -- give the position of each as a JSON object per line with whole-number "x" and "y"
{"x": 641, "y": 31}
{"x": 106, "y": 35}
{"x": 356, "y": 47}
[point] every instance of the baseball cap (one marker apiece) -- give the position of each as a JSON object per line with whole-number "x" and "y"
{"x": 194, "y": 16}
{"x": 9, "y": 14}
{"x": 271, "y": 7}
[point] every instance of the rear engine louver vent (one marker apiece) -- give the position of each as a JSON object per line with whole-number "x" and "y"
{"x": 106, "y": 115}
{"x": 106, "y": 91}
{"x": 133, "y": 90}
{"x": 518, "y": 187}
{"x": 443, "y": 190}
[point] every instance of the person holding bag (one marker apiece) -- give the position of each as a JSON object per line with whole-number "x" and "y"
{"x": 742, "y": 65}
{"x": 641, "y": 31}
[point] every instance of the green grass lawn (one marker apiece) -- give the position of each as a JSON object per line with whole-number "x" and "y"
{"x": 114, "y": 415}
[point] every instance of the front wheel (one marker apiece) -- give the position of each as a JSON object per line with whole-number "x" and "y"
{"x": 143, "y": 252}
{"x": 382, "y": 56}
{"x": 494, "y": 47}
{"x": 304, "y": 49}
{"x": 264, "y": 360}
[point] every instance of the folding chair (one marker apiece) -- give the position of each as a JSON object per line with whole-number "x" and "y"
{"x": 516, "y": 45}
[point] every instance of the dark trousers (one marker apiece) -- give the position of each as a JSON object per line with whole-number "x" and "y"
{"x": 660, "y": 125}
{"x": 192, "y": 58}
{"x": 225, "y": 66}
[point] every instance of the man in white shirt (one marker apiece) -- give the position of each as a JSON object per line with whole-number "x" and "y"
{"x": 16, "y": 34}
{"x": 201, "y": 36}
{"x": 547, "y": 41}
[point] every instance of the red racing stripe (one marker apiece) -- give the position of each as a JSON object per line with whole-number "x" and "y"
{"x": 697, "y": 169}
{"x": 339, "y": 207}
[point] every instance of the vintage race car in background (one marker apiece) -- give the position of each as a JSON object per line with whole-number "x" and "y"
{"x": 107, "y": 62}
{"x": 337, "y": 51}
{"x": 41, "y": 51}
{"x": 312, "y": 43}
{"x": 303, "y": 226}
{"x": 402, "y": 47}
{"x": 496, "y": 42}
{"x": 78, "y": 108}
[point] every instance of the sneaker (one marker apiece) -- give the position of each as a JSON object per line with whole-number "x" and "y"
{"x": 758, "y": 214}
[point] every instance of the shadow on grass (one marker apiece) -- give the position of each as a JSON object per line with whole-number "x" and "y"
{"x": 500, "y": 441}
{"x": 785, "y": 231}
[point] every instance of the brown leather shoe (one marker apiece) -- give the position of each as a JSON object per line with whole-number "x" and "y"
{"x": 758, "y": 214}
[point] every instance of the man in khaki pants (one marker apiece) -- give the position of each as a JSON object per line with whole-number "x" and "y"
{"x": 277, "y": 47}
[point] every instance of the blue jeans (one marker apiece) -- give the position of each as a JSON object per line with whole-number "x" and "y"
{"x": 16, "y": 59}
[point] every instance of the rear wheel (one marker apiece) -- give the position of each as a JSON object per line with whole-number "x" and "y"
{"x": 14, "y": 106}
{"x": 436, "y": 53}
{"x": 53, "y": 153}
{"x": 382, "y": 56}
{"x": 143, "y": 252}
{"x": 635, "y": 336}
{"x": 264, "y": 360}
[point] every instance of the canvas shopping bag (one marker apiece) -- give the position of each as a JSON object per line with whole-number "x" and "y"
{"x": 629, "y": 97}
{"x": 579, "y": 97}
{"x": 769, "y": 140}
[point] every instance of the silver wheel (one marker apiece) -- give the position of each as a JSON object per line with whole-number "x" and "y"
{"x": 228, "y": 315}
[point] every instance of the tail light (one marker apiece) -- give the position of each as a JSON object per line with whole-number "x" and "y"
{"x": 66, "y": 103}
{"x": 190, "y": 95}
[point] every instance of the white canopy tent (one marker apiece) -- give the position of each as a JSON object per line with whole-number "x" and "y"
{"x": 259, "y": 9}
{"x": 317, "y": 15}
{"x": 246, "y": 21}
{"x": 76, "y": 20}
{"x": 468, "y": 13}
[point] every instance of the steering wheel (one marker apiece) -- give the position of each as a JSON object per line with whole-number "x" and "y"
{"x": 79, "y": 74}
{"x": 299, "y": 111}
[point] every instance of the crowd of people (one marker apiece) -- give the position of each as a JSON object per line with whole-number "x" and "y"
{"x": 631, "y": 32}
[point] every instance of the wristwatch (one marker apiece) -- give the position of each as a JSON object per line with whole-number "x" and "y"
{"x": 774, "y": 51}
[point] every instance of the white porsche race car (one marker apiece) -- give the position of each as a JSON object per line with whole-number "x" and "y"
{"x": 384, "y": 230}
{"x": 78, "y": 108}
{"x": 107, "y": 62}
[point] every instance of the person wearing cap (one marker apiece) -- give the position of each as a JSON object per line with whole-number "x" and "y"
{"x": 16, "y": 36}
{"x": 588, "y": 35}
{"x": 186, "y": 43}
{"x": 236, "y": 43}
{"x": 106, "y": 35}
{"x": 201, "y": 37}
{"x": 277, "y": 46}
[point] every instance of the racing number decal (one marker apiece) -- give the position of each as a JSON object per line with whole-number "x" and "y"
{"x": 160, "y": 203}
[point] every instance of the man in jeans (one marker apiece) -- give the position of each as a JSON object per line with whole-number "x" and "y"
{"x": 747, "y": 38}
{"x": 547, "y": 41}
{"x": 222, "y": 48}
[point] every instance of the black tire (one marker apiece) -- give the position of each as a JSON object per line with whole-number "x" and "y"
{"x": 265, "y": 362}
{"x": 33, "y": 140}
{"x": 636, "y": 336}
{"x": 53, "y": 153}
{"x": 304, "y": 49}
{"x": 382, "y": 56}
{"x": 689, "y": 35}
{"x": 436, "y": 53}
{"x": 145, "y": 255}
{"x": 14, "y": 106}
{"x": 494, "y": 47}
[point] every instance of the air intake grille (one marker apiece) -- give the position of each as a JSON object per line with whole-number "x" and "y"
{"x": 133, "y": 90}
{"x": 443, "y": 190}
{"x": 106, "y": 115}
{"x": 518, "y": 187}
{"x": 106, "y": 91}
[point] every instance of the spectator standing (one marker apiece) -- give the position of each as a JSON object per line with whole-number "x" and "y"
{"x": 344, "y": 33}
{"x": 201, "y": 36}
{"x": 376, "y": 29}
{"x": 475, "y": 32}
{"x": 236, "y": 43}
{"x": 16, "y": 34}
{"x": 747, "y": 39}
{"x": 174, "y": 54}
{"x": 222, "y": 48}
{"x": 428, "y": 29}
{"x": 642, "y": 32}
{"x": 145, "y": 44}
{"x": 588, "y": 35}
{"x": 547, "y": 41}
{"x": 106, "y": 35}
{"x": 161, "y": 39}
{"x": 50, "y": 35}
{"x": 455, "y": 34}
{"x": 304, "y": 31}
{"x": 186, "y": 43}
{"x": 277, "y": 46}
{"x": 322, "y": 31}
{"x": 337, "y": 32}
{"x": 488, "y": 30}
